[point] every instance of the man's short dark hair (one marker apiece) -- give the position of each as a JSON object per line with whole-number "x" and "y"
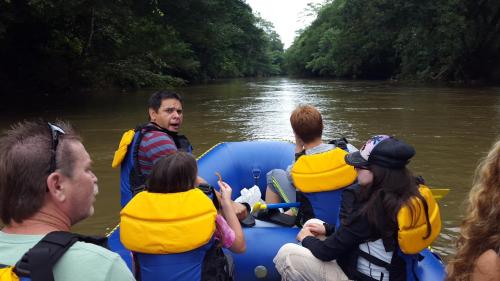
{"x": 173, "y": 173}
{"x": 307, "y": 123}
{"x": 156, "y": 99}
{"x": 25, "y": 157}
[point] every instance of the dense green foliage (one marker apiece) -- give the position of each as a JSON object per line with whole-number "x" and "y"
{"x": 411, "y": 39}
{"x": 56, "y": 45}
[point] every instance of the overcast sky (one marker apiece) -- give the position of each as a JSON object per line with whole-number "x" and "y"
{"x": 286, "y": 15}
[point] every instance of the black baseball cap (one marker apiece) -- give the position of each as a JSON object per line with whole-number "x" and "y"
{"x": 382, "y": 150}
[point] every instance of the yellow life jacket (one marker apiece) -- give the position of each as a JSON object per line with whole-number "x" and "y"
{"x": 120, "y": 153}
{"x": 322, "y": 172}
{"x": 413, "y": 229}
{"x": 163, "y": 223}
{"x": 7, "y": 274}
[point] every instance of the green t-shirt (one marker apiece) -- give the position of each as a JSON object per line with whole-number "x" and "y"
{"x": 82, "y": 262}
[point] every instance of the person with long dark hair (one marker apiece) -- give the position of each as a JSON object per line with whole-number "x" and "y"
{"x": 366, "y": 244}
{"x": 478, "y": 244}
{"x": 173, "y": 216}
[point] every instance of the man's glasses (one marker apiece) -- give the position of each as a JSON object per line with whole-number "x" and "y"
{"x": 55, "y": 131}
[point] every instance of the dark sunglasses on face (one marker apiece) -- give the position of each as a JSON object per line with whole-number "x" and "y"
{"x": 55, "y": 131}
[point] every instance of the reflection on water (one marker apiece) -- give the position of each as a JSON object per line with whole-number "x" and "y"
{"x": 450, "y": 127}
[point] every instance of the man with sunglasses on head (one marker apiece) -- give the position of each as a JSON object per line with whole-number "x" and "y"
{"x": 46, "y": 186}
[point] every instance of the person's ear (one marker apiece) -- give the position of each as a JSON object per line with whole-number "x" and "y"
{"x": 55, "y": 186}
{"x": 152, "y": 115}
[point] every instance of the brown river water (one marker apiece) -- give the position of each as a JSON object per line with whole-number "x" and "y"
{"x": 450, "y": 127}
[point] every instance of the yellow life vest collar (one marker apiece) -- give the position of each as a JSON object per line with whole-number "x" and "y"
{"x": 162, "y": 223}
{"x": 322, "y": 171}
{"x": 122, "y": 149}
{"x": 413, "y": 225}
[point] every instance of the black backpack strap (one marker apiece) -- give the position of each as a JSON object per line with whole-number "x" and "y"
{"x": 39, "y": 260}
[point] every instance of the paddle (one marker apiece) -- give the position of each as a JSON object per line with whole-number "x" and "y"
{"x": 439, "y": 193}
{"x": 262, "y": 206}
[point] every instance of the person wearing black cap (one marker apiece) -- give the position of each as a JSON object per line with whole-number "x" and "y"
{"x": 366, "y": 245}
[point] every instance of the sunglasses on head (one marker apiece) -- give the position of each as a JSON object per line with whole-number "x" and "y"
{"x": 55, "y": 131}
{"x": 362, "y": 167}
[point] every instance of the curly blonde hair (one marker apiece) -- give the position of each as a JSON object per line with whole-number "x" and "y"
{"x": 480, "y": 229}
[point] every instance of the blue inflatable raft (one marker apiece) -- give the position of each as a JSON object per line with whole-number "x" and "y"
{"x": 242, "y": 165}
